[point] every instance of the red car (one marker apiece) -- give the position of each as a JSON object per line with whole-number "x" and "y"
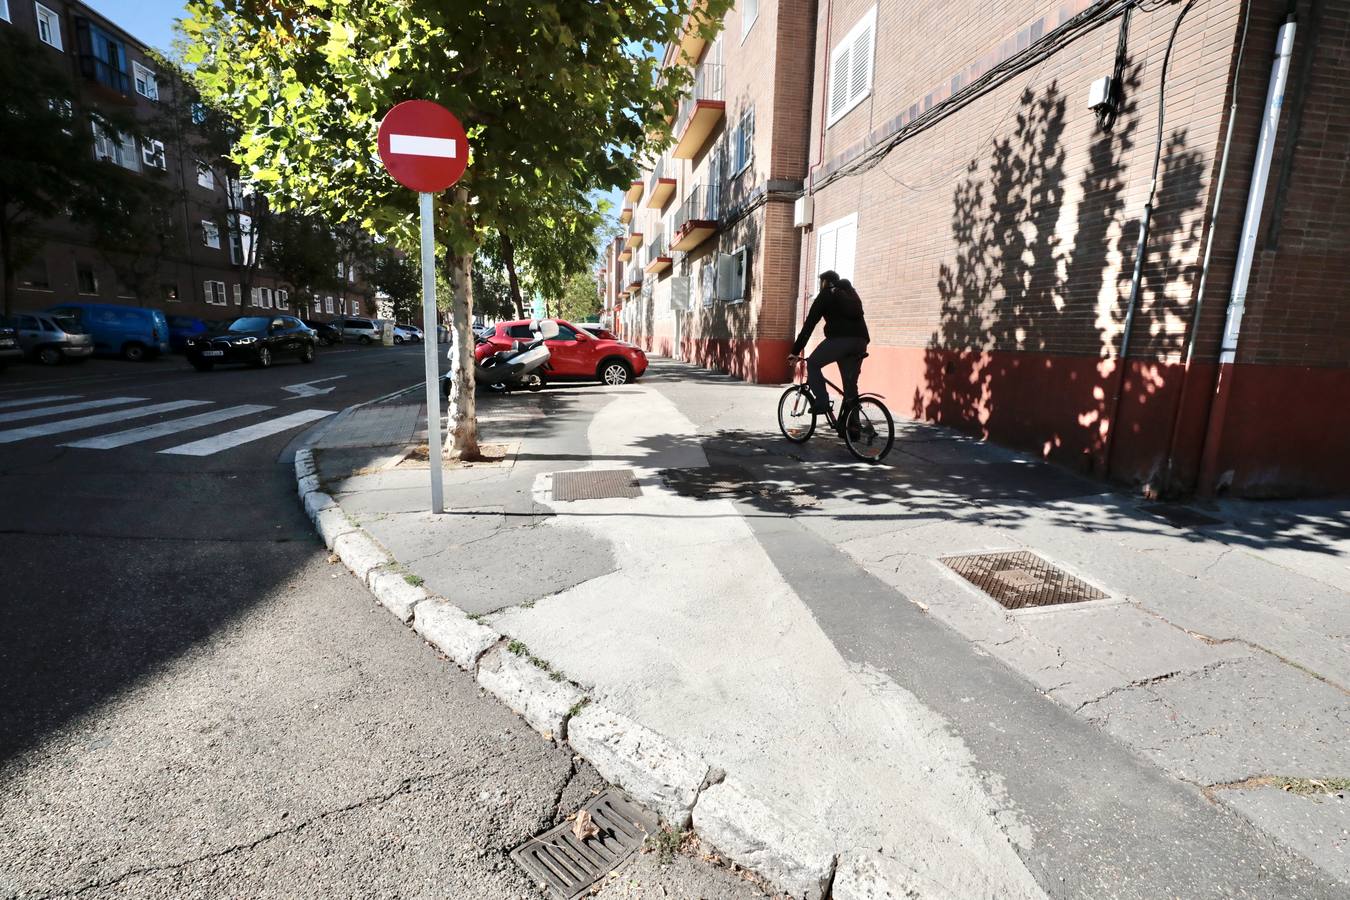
{"x": 574, "y": 353}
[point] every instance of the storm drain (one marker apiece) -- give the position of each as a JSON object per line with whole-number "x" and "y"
{"x": 565, "y": 866}
{"x": 595, "y": 484}
{"x": 1180, "y": 516}
{"x": 1022, "y": 580}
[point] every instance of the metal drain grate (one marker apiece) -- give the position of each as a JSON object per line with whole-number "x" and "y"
{"x": 1180, "y": 516}
{"x": 595, "y": 484}
{"x": 565, "y": 866}
{"x": 1021, "y": 580}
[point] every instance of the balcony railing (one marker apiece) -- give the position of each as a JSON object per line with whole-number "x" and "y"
{"x": 707, "y": 86}
{"x": 658, "y": 254}
{"x": 696, "y": 218}
{"x": 105, "y": 74}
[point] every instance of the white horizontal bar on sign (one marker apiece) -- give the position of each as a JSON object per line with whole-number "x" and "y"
{"x": 421, "y": 145}
{"x": 67, "y": 408}
{"x": 164, "y": 429}
{"x": 61, "y": 426}
{"x": 208, "y": 446}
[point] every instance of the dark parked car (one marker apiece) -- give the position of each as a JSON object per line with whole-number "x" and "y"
{"x": 9, "y": 344}
{"x": 51, "y": 338}
{"x": 329, "y": 334}
{"x": 257, "y": 340}
{"x": 183, "y": 327}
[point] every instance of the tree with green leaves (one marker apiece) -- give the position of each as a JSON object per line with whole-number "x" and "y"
{"x": 393, "y": 274}
{"x": 133, "y": 223}
{"x": 580, "y": 300}
{"x": 558, "y": 99}
{"x": 303, "y": 254}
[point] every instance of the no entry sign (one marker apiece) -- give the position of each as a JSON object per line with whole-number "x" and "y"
{"x": 422, "y": 145}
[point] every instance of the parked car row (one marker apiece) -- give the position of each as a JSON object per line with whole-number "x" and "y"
{"x": 573, "y": 352}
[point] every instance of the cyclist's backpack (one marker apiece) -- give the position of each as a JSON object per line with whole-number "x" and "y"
{"x": 847, "y": 300}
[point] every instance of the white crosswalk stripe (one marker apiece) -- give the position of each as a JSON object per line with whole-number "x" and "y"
{"x": 211, "y": 445}
{"x": 164, "y": 429}
{"x": 61, "y": 426}
{"x": 29, "y": 401}
{"x": 43, "y": 412}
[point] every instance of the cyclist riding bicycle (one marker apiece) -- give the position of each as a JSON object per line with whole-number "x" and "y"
{"x": 845, "y": 341}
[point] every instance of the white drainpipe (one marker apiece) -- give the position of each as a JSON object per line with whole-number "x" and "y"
{"x": 1256, "y": 196}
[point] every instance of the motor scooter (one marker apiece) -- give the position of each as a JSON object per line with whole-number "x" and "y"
{"x": 520, "y": 367}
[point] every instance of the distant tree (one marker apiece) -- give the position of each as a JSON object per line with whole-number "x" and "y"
{"x": 304, "y": 255}
{"x": 493, "y": 297}
{"x": 134, "y": 225}
{"x": 392, "y": 273}
{"x": 47, "y": 161}
{"x": 580, "y": 299}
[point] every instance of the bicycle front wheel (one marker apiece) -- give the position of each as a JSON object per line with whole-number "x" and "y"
{"x": 869, "y": 430}
{"x": 795, "y": 418}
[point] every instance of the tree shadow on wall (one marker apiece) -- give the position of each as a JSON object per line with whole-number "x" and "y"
{"x": 723, "y": 335}
{"x": 1024, "y": 351}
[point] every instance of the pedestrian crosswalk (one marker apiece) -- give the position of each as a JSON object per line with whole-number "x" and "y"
{"x": 54, "y": 415}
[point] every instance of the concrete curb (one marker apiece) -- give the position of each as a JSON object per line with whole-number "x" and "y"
{"x": 681, "y": 787}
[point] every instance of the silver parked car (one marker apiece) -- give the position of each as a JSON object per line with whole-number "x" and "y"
{"x": 363, "y": 331}
{"x": 51, "y": 337}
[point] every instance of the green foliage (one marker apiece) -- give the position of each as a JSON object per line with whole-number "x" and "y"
{"x": 580, "y": 299}
{"x": 304, "y": 255}
{"x": 134, "y": 224}
{"x": 398, "y": 276}
{"x": 492, "y": 297}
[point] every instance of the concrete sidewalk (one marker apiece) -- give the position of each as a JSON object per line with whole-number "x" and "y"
{"x": 780, "y": 615}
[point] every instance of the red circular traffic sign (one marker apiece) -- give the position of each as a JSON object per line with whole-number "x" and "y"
{"x": 423, "y": 146}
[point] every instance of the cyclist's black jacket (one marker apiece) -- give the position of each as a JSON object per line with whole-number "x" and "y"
{"x": 841, "y": 308}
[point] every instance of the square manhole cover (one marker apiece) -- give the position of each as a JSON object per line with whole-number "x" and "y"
{"x": 1021, "y": 580}
{"x": 595, "y": 484}
{"x": 565, "y": 866}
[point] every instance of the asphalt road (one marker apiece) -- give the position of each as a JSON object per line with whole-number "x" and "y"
{"x": 195, "y": 702}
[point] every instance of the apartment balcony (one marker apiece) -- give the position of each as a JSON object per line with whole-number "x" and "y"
{"x": 691, "y": 39}
{"x": 658, "y": 255}
{"x": 634, "y": 192}
{"x": 626, "y": 254}
{"x": 633, "y": 280}
{"x": 633, "y": 240}
{"x": 696, "y": 219}
{"x": 626, "y": 215}
{"x": 660, "y": 186}
{"x": 700, "y": 112}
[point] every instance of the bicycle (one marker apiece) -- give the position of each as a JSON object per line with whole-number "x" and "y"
{"x": 865, "y": 424}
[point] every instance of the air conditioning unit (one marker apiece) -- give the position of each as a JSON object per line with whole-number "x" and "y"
{"x": 803, "y": 211}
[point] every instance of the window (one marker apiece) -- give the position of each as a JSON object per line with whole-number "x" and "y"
{"x": 236, "y": 247}
{"x": 265, "y": 298}
{"x": 743, "y": 142}
{"x": 328, "y": 305}
{"x": 835, "y": 246}
{"x": 62, "y": 108}
{"x": 205, "y": 177}
{"x": 210, "y": 234}
{"x": 4, "y": 10}
{"x": 234, "y": 193}
{"x": 733, "y": 275}
{"x": 152, "y": 154}
{"x": 341, "y": 270}
{"x": 145, "y": 82}
{"x": 115, "y": 148}
{"x": 851, "y": 67}
{"x": 707, "y": 281}
{"x": 283, "y": 299}
{"x": 86, "y": 278}
{"x": 238, "y": 295}
{"x": 253, "y": 299}
{"x": 214, "y": 292}
{"x": 169, "y": 293}
{"x": 198, "y": 113}
{"x": 33, "y": 277}
{"x": 749, "y": 14}
{"x": 49, "y": 26}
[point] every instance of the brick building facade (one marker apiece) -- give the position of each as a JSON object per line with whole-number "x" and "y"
{"x": 202, "y": 276}
{"x": 990, "y": 218}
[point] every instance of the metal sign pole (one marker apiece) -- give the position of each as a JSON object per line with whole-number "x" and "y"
{"x": 431, "y": 352}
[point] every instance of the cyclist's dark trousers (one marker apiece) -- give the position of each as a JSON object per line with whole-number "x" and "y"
{"x": 847, "y": 352}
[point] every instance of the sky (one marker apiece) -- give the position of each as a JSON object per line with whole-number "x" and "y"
{"x": 150, "y": 21}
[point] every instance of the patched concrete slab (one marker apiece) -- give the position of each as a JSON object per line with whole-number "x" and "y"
{"x": 1233, "y": 721}
{"x": 1317, "y": 827}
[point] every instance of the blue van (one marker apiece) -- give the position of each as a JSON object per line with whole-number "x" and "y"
{"x": 132, "y": 332}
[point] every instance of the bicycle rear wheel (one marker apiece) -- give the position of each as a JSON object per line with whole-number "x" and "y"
{"x": 795, "y": 418}
{"x": 869, "y": 430}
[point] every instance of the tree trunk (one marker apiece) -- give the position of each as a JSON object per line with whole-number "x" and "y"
{"x": 509, "y": 257}
{"x": 461, "y": 413}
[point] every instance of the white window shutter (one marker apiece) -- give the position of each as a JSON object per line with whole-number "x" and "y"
{"x": 238, "y": 295}
{"x": 208, "y": 293}
{"x": 726, "y": 276}
{"x": 743, "y": 274}
{"x": 846, "y": 245}
{"x": 839, "y": 71}
{"x": 825, "y": 250}
{"x": 860, "y": 76}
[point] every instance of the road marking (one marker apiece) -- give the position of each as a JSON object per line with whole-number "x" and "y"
{"x": 67, "y": 408}
{"x": 46, "y": 428}
{"x": 421, "y": 145}
{"x": 51, "y": 398}
{"x": 208, "y": 446}
{"x": 163, "y": 429}
{"x": 307, "y": 389}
